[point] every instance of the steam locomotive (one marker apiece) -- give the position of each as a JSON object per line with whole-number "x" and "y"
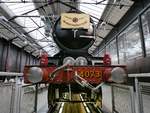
{"x": 73, "y": 69}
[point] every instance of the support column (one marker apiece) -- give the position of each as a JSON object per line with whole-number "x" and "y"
{"x": 138, "y": 96}
{"x": 36, "y": 98}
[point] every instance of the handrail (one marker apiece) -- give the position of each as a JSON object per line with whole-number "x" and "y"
{"x": 11, "y": 74}
{"x": 144, "y": 83}
{"x": 121, "y": 86}
{"x": 139, "y": 75}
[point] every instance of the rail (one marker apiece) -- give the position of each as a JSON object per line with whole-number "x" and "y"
{"x": 93, "y": 109}
{"x": 139, "y": 75}
{"x": 12, "y": 74}
{"x": 51, "y": 109}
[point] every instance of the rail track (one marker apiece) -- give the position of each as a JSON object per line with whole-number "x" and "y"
{"x": 74, "y": 106}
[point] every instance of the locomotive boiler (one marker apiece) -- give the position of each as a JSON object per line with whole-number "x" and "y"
{"x": 73, "y": 69}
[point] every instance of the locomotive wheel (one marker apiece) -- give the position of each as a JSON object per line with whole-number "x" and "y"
{"x": 51, "y": 95}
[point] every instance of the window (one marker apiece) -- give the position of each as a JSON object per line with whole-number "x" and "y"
{"x": 146, "y": 30}
{"x": 34, "y": 26}
{"x": 100, "y": 53}
{"x": 112, "y": 50}
{"x": 133, "y": 41}
{"x": 129, "y": 43}
{"x": 92, "y": 8}
{"x": 121, "y": 48}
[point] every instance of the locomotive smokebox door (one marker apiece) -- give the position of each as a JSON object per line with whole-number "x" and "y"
{"x": 74, "y": 32}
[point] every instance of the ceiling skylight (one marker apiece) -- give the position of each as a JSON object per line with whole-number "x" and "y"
{"x": 30, "y": 19}
{"x": 31, "y": 22}
{"x": 94, "y": 8}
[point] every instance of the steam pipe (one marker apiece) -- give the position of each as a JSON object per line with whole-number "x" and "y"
{"x": 85, "y": 83}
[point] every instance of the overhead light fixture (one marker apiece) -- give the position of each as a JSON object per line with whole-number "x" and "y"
{"x": 103, "y": 23}
{"x": 25, "y": 42}
{"x": 3, "y": 18}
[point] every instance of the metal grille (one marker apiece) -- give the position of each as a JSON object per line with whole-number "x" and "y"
{"x": 27, "y": 100}
{"x": 6, "y": 97}
{"x": 145, "y": 90}
{"x": 122, "y": 100}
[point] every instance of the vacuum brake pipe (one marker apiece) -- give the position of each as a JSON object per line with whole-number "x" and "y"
{"x": 55, "y": 72}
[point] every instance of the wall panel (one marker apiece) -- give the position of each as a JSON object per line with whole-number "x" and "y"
{"x": 23, "y": 60}
{"x": 4, "y": 56}
{"x": 14, "y": 59}
{"x": 1, "y": 53}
